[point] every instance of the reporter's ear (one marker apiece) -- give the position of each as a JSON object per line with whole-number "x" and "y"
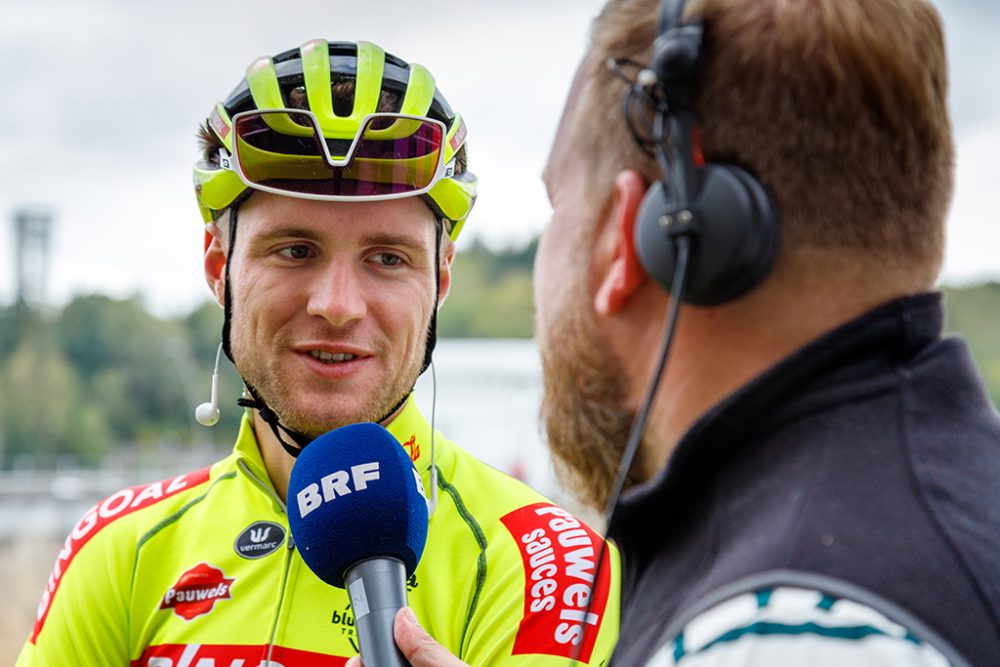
{"x": 623, "y": 275}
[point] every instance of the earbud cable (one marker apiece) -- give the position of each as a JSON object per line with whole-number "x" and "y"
{"x": 432, "y": 501}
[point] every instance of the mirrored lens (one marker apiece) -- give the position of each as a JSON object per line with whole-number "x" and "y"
{"x": 287, "y": 133}
{"x": 283, "y": 150}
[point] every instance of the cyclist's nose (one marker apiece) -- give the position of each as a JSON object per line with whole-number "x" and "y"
{"x": 337, "y": 295}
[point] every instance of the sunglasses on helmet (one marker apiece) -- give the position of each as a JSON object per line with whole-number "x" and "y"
{"x": 284, "y": 151}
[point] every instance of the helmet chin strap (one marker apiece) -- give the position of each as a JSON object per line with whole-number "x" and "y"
{"x": 257, "y": 403}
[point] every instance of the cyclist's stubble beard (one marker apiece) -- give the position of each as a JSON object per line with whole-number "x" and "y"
{"x": 583, "y": 403}
{"x": 265, "y": 375}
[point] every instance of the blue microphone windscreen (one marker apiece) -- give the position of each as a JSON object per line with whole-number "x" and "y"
{"x": 354, "y": 494}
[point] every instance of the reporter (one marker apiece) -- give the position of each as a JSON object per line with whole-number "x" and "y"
{"x": 817, "y": 483}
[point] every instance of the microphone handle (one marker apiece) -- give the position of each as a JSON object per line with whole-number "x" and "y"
{"x": 377, "y": 587}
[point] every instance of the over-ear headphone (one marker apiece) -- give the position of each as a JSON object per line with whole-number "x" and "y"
{"x": 730, "y": 218}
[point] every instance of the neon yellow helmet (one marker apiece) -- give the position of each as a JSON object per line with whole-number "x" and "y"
{"x": 300, "y": 83}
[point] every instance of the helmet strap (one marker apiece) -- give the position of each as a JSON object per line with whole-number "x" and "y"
{"x": 227, "y": 298}
{"x": 272, "y": 420}
{"x": 431, "y": 341}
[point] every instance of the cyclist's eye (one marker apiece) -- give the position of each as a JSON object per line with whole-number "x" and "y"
{"x": 388, "y": 259}
{"x": 295, "y": 252}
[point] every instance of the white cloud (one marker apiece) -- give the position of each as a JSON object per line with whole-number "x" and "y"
{"x": 101, "y": 99}
{"x": 973, "y": 251}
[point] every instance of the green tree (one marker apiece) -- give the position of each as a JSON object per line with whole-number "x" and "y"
{"x": 974, "y": 312}
{"x": 45, "y": 415}
{"x": 491, "y": 294}
{"x": 128, "y": 362}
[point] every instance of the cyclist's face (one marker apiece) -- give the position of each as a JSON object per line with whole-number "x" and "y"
{"x": 331, "y": 304}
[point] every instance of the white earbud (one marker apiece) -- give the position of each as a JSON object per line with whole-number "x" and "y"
{"x": 207, "y": 414}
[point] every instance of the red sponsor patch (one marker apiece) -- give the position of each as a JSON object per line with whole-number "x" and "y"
{"x": 458, "y": 138}
{"x": 102, "y": 514}
{"x": 219, "y": 125}
{"x": 560, "y": 555}
{"x": 232, "y": 655}
{"x": 197, "y": 591}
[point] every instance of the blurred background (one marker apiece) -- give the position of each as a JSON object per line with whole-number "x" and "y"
{"x": 107, "y": 336}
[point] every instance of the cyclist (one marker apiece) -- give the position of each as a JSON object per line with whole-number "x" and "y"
{"x": 333, "y": 184}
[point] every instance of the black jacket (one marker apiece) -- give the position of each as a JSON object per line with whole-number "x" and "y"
{"x": 872, "y": 456}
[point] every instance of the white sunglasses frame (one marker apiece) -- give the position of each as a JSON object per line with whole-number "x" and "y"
{"x": 441, "y": 170}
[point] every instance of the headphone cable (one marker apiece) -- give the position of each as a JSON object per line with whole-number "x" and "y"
{"x": 682, "y": 245}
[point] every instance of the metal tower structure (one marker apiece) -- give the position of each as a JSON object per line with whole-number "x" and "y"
{"x": 32, "y": 230}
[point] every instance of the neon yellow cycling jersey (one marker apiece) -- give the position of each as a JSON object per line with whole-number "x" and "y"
{"x": 200, "y": 571}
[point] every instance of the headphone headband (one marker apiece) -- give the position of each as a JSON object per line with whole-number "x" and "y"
{"x": 724, "y": 211}
{"x": 671, "y": 14}
{"x": 677, "y": 54}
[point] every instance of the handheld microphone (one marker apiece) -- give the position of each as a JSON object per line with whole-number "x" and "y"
{"x": 358, "y": 513}
{"x": 207, "y": 414}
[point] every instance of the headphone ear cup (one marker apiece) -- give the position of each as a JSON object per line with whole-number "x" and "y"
{"x": 653, "y": 245}
{"x": 739, "y": 236}
{"x": 737, "y": 240}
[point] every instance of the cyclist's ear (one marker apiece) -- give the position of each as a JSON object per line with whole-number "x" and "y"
{"x": 215, "y": 261}
{"x": 447, "y": 256}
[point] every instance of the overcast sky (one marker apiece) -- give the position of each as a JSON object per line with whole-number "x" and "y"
{"x": 99, "y": 100}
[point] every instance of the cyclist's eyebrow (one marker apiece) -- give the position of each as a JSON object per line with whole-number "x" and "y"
{"x": 281, "y": 231}
{"x": 396, "y": 240}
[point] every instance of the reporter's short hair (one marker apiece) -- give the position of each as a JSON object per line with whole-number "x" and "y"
{"x": 838, "y": 106}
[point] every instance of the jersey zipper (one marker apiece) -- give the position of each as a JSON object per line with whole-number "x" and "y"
{"x": 286, "y": 567}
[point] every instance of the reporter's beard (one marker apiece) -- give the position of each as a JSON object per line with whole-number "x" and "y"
{"x": 587, "y": 426}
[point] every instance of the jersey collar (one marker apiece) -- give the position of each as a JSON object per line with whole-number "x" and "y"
{"x": 409, "y": 427}
{"x": 414, "y": 434}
